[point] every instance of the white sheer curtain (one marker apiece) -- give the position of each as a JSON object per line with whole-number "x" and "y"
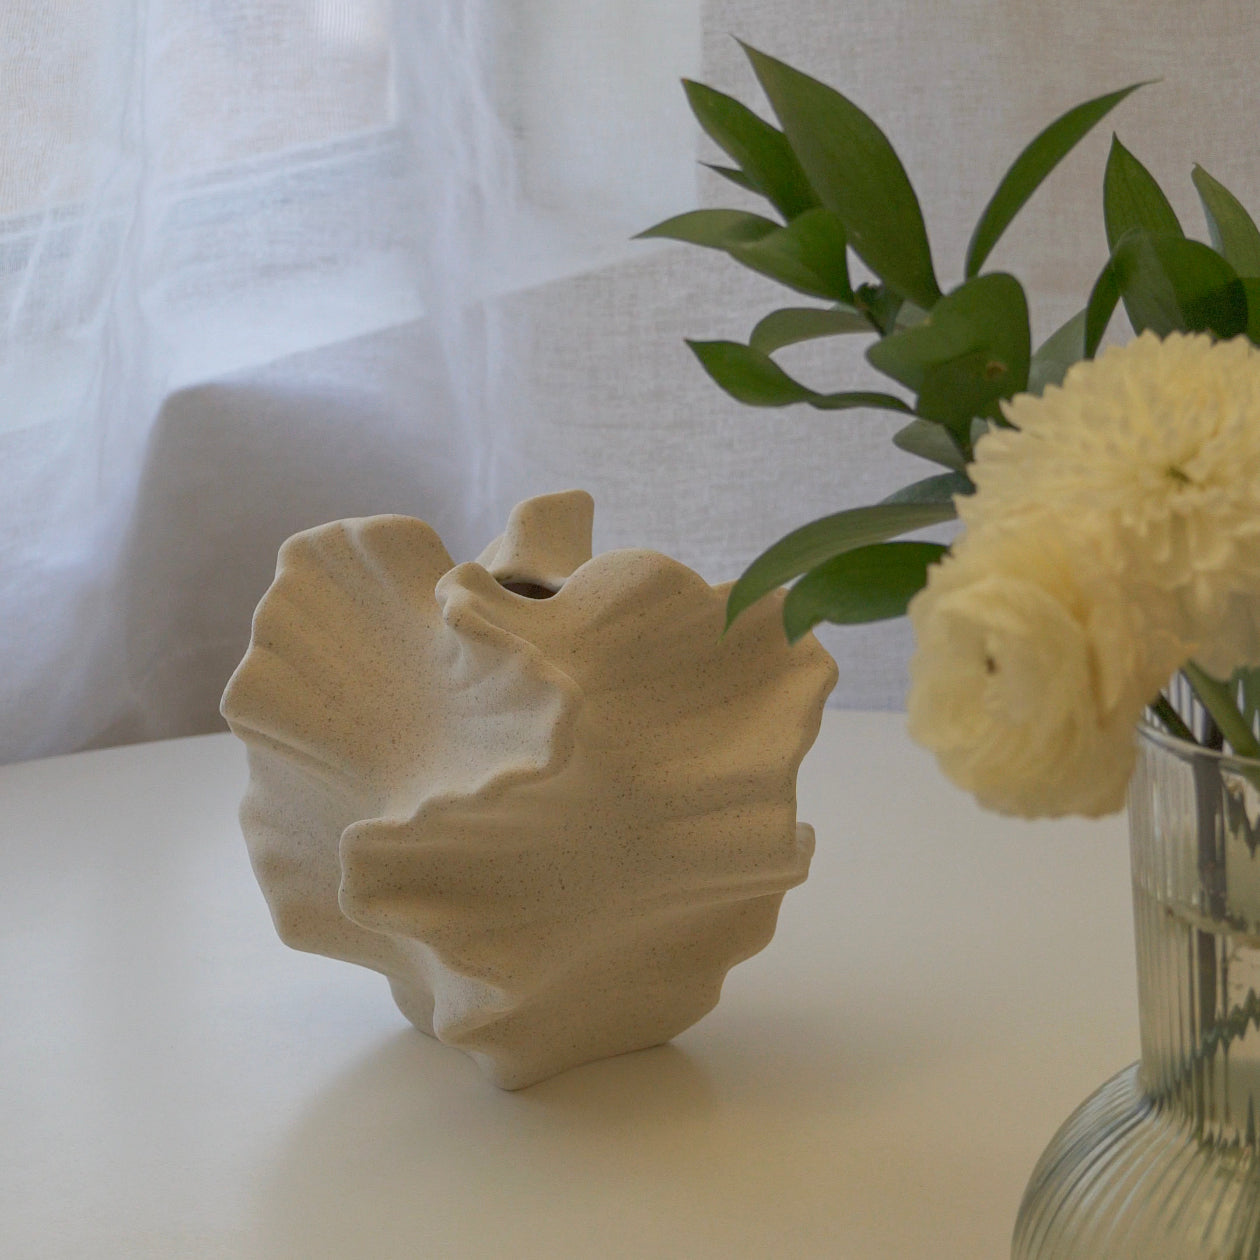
{"x": 254, "y": 254}
{"x": 268, "y": 262}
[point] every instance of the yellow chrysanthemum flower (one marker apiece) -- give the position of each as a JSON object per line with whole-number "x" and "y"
{"x": 1154, "y": 450}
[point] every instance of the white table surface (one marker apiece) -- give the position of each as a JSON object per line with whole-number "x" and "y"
{"x": 877, "y": 1083}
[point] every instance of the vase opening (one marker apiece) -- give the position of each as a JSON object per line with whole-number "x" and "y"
{"x": 530, "y": 590}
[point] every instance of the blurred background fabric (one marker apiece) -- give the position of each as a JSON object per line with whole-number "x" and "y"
{"x": 265, "y": 263}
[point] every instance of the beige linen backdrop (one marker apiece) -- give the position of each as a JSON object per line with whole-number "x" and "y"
{"x": 129, "y": 565}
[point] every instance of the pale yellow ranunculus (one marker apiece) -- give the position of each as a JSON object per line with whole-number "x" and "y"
{"x": 1029, "y": 676}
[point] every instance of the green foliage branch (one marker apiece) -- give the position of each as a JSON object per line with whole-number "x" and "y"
{"x": 838, "y": 189}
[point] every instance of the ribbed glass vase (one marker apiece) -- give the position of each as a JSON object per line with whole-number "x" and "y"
{"x": 1161, "y": 1163}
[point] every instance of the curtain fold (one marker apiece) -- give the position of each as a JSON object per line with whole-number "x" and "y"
{"x": 191, "y": 191}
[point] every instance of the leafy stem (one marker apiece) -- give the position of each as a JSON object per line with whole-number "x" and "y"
{"x": 1171, "y": 719}
{"x": 1217, "y": 699}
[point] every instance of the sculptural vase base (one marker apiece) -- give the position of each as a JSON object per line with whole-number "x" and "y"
{"x": 543, "y": 792}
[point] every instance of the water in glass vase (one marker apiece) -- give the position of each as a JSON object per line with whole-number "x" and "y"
{"x": 1201, "y": 1032}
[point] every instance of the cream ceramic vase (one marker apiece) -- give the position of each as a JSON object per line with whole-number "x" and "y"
{"x": 541, "y": 792}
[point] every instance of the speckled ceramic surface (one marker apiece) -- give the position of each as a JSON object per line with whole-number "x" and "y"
{"x": 540, "y": 792}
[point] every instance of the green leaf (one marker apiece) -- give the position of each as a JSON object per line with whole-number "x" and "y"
{"x": 1064, "y": 346}
{"x": 755, "y": 378}
{"x": 761, "y": 150}
{"x": 1132, "y": 199}
{"x": 1032, "y": 166}
{"x": 1247, "y": 683}
{"x": 1171, "y": 284}
{"x": 1251, "y": 291}
{"x": 956, "y": 391}
{"x": 847, "y": 400}
{"x": 938, "y": 489}
{"x": 1234, "y": 234}
{"x": 808, "y": 254}
{"x": 1218, "y": 699}
{"x": 714, "y": 229}
{"x": 809, "y": 546}
{"x": 857, "y": 174}
{"x": 929, "y": 440}
{"x": 880, "y": 305}
{"x": 1104, "y": 297}
{"x": 794, "y": 324}
{"x": 748, "y": 375}
{"x": 971, "y": 350}
{"x": 867, "y": 584}
{"x": 735, "y": 175}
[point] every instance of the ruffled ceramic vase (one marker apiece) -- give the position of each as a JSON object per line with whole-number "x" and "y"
{"x": 541, "y": 792}
{"x": 1161, "y": 1163}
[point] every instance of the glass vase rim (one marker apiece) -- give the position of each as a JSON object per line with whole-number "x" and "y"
{"x": 1186, "y": 750}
